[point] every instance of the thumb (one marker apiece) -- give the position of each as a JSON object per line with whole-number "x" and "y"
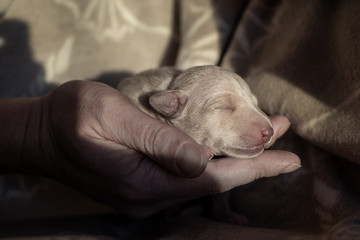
{"x": 165, "y": 144}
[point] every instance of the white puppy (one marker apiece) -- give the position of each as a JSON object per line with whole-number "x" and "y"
{"x": 212, "y": 105}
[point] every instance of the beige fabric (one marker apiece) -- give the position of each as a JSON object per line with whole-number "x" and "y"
{"x": 205, "y": 27}
{"x": 4, "y": 5}
{"x": 83, "y": 39}
{"x": 301, "y": 60}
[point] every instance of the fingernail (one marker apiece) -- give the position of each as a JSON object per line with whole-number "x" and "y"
{"x": 189, "y": 160}
{"x": 210, "y": 156}
{"x": 209, "y": 153}
{"x": 291, "y": 167}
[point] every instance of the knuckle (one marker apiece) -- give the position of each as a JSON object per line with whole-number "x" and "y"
{"x": 259, "y": 170}
{"x": 152, "y": 136}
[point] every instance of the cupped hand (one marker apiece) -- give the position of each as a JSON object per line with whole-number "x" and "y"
{"x": 101, "y": 144}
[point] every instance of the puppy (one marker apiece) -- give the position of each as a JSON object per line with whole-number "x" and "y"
{"x": 213, "y": 106}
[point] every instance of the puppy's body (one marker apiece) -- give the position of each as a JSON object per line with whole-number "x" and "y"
{"x": 212, "y": 105}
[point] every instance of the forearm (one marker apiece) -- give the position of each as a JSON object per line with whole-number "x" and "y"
{"x": 20, "y": 128}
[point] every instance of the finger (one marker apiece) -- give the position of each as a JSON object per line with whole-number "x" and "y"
{"x": 229, "y": 173}
{"x": 226, "y": 173}
{"x": 280, "y": 124}
{"x": 165, "y": 144}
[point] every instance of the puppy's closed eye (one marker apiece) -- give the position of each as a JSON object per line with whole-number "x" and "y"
{"x": 225, "y": 104}
{"x": 225, "y": 108}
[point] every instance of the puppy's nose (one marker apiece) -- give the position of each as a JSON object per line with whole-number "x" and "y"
{"x": 267, "y": 133}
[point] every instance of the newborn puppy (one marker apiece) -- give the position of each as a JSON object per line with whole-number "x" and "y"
{"x": 212, "y": 105}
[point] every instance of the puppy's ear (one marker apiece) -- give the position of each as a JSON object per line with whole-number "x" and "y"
{"x": 169, "y": 103}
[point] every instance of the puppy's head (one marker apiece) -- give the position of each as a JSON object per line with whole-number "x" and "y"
{"x": 217, "y": 109}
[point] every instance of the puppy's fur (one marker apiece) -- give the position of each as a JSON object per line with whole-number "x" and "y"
{"x": 212, "y": 105}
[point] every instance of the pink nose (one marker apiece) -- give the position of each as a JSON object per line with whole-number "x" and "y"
{"x": 267, "y": 133}
{"x": 258, "y": 134}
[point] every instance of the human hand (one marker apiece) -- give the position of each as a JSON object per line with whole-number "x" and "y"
{"x": 101, "y": 144}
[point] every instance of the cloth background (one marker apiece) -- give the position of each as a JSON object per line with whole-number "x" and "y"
{"x": 300, "y": 58}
